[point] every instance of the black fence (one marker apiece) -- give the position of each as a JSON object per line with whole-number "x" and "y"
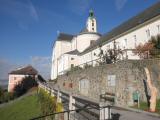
{"x": 77, "y": 114}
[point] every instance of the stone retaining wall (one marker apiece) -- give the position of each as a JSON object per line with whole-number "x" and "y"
{"x": 129, "y": 78}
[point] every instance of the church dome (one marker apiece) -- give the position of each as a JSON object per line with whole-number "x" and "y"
{"x": 84, "y": 39}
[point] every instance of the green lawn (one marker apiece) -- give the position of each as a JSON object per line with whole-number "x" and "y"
{"x": 23, "y": 109}
{"x": 143, "y": 106}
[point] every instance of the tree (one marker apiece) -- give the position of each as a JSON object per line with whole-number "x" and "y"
{"x": 149, "y": 49}
{"x": 26, "y": 84}
{"x": 1, "y": 95}
{"x": 111, "y": 55}
{"x": 5, "y": 96}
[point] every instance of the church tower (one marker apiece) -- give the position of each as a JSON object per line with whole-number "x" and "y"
{"x": 91, "y": 24}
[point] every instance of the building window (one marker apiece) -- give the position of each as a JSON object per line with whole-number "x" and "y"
{"x": 14, "y": 78}
{"x": 108, "y": 47}
{"x": 92, "y": 23}
{"x": 125, "y": 43}
{"x": 70, "y": 85}
{"x": 135, "y": 41}
{"x": 148, "y": 33}
{"x": 84, "y": 86}
{"x": 158, "y": 27}
{"x": 72, "y": 58}
{"x": 111, "y": 80}
{"x": 72, "y": 65}
{"x": 92, "y": 28}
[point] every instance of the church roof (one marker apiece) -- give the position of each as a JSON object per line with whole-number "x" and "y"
{"x": 84, "y": 30}
{"x": 74, "y": 52}
{"x": 139, "y": 19}
{"x": 29, "y": 70}
{"x": 65, "y": 37}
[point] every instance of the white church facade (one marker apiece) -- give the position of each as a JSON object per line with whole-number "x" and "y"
{"x": 74, "y": 50}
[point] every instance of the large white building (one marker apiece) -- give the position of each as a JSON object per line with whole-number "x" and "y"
{"x": 74, "y": 50}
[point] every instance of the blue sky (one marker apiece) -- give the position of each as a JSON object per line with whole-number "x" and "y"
{"x": 28, "y": 28}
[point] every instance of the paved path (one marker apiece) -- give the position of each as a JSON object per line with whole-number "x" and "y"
{"x": 130, "y": 115}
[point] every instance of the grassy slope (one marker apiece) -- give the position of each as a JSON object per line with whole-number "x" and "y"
{"x": 23, "y": 109}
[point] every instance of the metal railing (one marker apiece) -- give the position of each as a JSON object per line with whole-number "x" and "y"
{"x": 83, "y": 109}
{"x": 71, "y": 114}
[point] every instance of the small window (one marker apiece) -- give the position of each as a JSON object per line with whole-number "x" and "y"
{"x": 84, "y": 86}
{"x": 92, "y": 42}
{"x": 158, "y": 27}
{"x": 92, "y": 23}
{"x": 148, "y": 33}
{"x": 14, "y": 78}
{"x": 125, "y": 40}
{"x": 108, "y": 47}
{"x": 135, "y": 40}
{"x": 92, "y": 28}
{"x": 70, "y": 85}
{"x": 72, "y": 65}
{"x": 72, "y": 58}
{"x": 111, "y": 80}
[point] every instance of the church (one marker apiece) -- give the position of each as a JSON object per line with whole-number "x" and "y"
{"x": 84, "y": 47}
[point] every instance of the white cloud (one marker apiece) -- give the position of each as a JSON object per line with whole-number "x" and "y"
{"x": 33, "y": 11}
{"x": 79, "y": 6}
{"x": 42, "y": 64}
{"x": 120, "y": 4}
{"x": 24, "y": 12}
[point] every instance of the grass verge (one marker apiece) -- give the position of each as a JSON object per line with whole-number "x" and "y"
{"x": 143, "y": 106}
{"x": 23, "y": 109}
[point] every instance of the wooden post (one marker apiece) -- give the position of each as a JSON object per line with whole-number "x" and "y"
{"x": 105, "y": 112}
{"x": 59, "y": 100}
{"x": 138, "y": 100}
{"x": 71, "y": 106}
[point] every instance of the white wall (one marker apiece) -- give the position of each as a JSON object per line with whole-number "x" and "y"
{"x": 59, "y": 48}
{"x": 83, "y": 40}
{"x": 74, "y": 43}
{"x": 89, "y": 25}
{"x": 65, "y": 61}
{"x": 14, "y": 80}
{"x": 127, "y": 41}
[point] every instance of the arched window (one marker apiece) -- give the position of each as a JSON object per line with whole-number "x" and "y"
{"x": 84, "y": 86}
{"x": 92, "y": 23}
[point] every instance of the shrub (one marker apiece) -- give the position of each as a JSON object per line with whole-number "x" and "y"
{"x": 5, "y": 96}
{"x": 149, "y": 49}
{"x": 47, "y": 103}
{"x": 26, "y": 84}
